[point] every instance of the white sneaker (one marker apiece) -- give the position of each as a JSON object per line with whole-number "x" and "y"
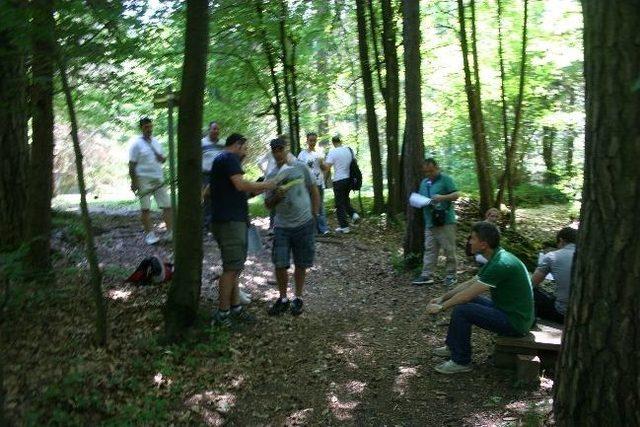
{"x": 151, "y": 238}
{"x": 442, "y": 351}
{"x": 168, "y": 237}
{"x": 451, "y": 367}
{"x": 244, "y": 297}
{"x": 343, "y": 230}
{"x": 355, "y": 217}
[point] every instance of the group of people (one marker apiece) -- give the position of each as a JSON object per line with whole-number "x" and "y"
{"x": 516, "y": 297}
{"x": 294, "y": 192}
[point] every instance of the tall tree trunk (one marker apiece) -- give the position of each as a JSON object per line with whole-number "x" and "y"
{"x": 92, "y": 256}
{"x": 14, "y": 149}
{"x": 285, "y": 58}
{"x": 548, "y": 138}
{"x": 40, "y": 181}
{"x": 391, "y": 100}
{"x": 568, "y": 162}
{"x": 476, "y": 118}
{"x": 268, "y": 51}
{"x": 413, "y": 146}
{"x": 295, "y": 149}
{"x": 504, "y": 109}
{"x": 598, "y": 373}
{"x": 184, "y": 293}
{"x": 372, "y": 120}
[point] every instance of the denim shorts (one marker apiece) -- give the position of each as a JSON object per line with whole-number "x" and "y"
{"x": 232, "y": 241}
{"x": 299, "y": 240}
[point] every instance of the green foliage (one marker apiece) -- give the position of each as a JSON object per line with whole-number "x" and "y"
{"x": 528, "y": 195}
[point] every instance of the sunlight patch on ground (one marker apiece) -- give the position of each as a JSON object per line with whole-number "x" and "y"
{"x": 211, "y": 406}
{"x": 117, "y": 294}
{"x": 298, "y": 418}
{"x": 342, "y": 410}
{"x": 159, "y": 380}
{"x": 355, "y": 387}
{"x": 401, "y": 384}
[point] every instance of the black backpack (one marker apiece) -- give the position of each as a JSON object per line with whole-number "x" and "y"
{"x": 355, "y": 175}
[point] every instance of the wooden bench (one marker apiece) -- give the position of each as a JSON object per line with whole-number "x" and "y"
{"x": 540, "y": 348}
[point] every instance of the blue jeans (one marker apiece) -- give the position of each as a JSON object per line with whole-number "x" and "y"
{"x": 481, "y": 312}
{"x": 321, "y": 220}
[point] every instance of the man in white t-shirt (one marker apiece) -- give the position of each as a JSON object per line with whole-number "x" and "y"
{"x": 145, "y": 170}
{"x": 313, "y": 158}
{"x": 339, "y": 157}
{"x": 211, "y": 147}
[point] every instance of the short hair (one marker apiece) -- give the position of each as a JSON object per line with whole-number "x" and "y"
{"x": 212, "y": 122}
{"x": 568, "y": 234}
{"x": 487, "y": 232}
{"x": 431, "y": 161}
{"x": 312, "y": 134}
{"x": 336, "y": 138}
{"x": 144, "y": 120}
{"x": 234, "y": 138}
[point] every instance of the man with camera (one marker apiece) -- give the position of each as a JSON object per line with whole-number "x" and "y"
{"x": 439, "y": 223}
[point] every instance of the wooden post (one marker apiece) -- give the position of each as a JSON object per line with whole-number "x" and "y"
{"x": 170, "y": 99}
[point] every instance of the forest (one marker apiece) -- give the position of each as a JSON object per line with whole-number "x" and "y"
{"x": 530, "y": 107}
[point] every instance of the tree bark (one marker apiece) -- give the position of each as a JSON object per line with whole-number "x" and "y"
{"x": 503, "y": 101}
{"x": 413, "y": 146}
{"x": 391, "y": 100}
{"x": 568, "y": 161}
{"x": 476, "y": 117}
{"x": 92, "y": 256}
{"x": 288, "y": 73}
{"x": 598, "y": 373}
{"x": 40, "y": 180}
{"x": 14, "y": 114}
{"x": 548, "y": 138}
{"x": 372, "y": 120}
{"x": 268, "y": 51}
{"x": 184, "y": 293}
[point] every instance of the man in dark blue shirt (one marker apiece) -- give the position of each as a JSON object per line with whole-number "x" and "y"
{"x": 229, "y": 218}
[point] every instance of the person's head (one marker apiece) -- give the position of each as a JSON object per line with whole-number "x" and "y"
{"x": 237, "y": 144}
{"x": 336, "y": 141}
{"x": 492, "y": 215}
{"x": 279, "y": 150}
{"x": 484, "y": 236}
{"x": 214, "y": 131}
{"x": 430, "y": 168}
{"x": 565, "y": 236}
{"x": 312, "y": 140}
{"x": 146, "y": 126}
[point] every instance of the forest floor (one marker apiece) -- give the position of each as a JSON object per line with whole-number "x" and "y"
{"x": 360, "y": 354}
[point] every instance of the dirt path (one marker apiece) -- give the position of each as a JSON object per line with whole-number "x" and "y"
{"x": 359, "y": 354}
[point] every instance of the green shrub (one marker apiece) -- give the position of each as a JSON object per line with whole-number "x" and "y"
{"x": 528, "y": 195}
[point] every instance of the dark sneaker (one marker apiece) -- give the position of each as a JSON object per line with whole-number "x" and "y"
{"x": 450, "y": 280}
{"x": 243, "y": 316}
{"x": 278, "y": 308}
{"x": 296, "y": 307}
{"x": 422, "y": 280}
{"x": 222, "y": 320}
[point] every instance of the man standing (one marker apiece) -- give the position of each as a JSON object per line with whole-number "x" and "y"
{"x": 439, "y": 223}
{"x": 508, "y": 313}
{"x": 558, "y": 263}
{"x": 145, "y": 171}
{"x": 314, "y": 160}
{"x": 211, "y": 147}
{"x": 296, "y": 202}
{"x": 229, "y": 219}
{"x": 340, "y": 158}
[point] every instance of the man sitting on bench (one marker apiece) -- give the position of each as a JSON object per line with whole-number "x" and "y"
{"x": 508, "y": 313}
{"x": 558, "y": 263}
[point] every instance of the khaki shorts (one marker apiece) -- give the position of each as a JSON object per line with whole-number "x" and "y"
{"x": 155, "y": 187}
{"x": 232, "y": 241}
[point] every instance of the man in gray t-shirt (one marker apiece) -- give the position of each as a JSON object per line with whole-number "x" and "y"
{"x": 559, "y": 263}
{"x": 296, "y": 204}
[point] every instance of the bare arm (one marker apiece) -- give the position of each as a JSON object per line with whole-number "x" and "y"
{"x": 446, "y": 197}
{"x": 538, "y": 277}
{"x": 463, "y": 294}
{"x": 315, "y": 199}
{"x": 242, "y": 184}
{"x": 132, "y": 175}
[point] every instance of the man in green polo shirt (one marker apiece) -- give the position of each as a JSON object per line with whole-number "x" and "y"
{"x": 508, "y": 313}
{"x": 439, "y": 223}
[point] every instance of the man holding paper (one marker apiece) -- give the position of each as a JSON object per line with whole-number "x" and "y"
{"x": 296, "y": 203}
{"x": 439, "y": 223}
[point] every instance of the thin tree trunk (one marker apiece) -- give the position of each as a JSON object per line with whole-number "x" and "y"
{"x": 392, "y": 100}
{"x": 14, "y": 114}
{"x": 295, "y": 148}
{"x": 92, "y": 256}
{"x": 268, "y": 51}
{"x": 373, "y": 28}
{"x": 548, "y": 139}
{"x": 598, "y": 373}
{"x": 372, "y": 120}
{"x": 503, "y": 100}
{"x": 568, "y": 162}
{"x": 40, "y": 181}
{"x": 476, "y": 118}
{"x": 184, "y": 293}
{"x": 286, "y": 71}
{"x": 413, "y": 146}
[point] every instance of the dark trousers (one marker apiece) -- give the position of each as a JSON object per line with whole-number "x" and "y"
{"x": 344, "y": 211}
{"x": 545, "y": 303}
{"x": 481, "y": 312}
